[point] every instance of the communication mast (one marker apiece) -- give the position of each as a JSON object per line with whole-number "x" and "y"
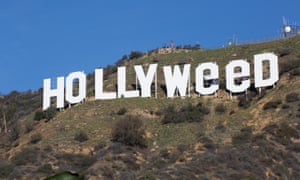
{"x": 232, "y": 41}
{"x": 171, "y": 44}
{"x": 289, "y": 30}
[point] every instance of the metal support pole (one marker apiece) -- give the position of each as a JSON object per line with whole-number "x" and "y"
{"x": 156, "y": 84}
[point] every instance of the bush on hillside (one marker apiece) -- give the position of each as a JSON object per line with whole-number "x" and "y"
{"x": 285, "y": 106}
{"x": 295, "y": 72}
{"x": 39, "y": 115}
{"x": 66, "y": 175}
{"x": 284, "y": 51}
{"x": 35, "y": 138}
{"x": 14, "y": 133}
{"x": 81, "y": 136}
{"x": 46, "y": 168}
{"x": 135, "y": 54}
{"x": 129, "y": 131}
{"x": 50, "y": 113}
{"x": 292, "y": 97}
{"x": 220, "y": 128}
{"x": 244, "y": 136}
{"x": 272, "y": 104}
{"x": 282, "y": 132}
{"x": 187, "y": 113}
{"x": 170, "y": 115}
{"x": 76, "y": 162}
{"x": 5, "y": 168}
{"x": 28, "y": 126}
{"x": 122, "y": 60}
{"x": 220, "y": 108}
{"x": 122, "y": 111}
{"x": 26, "y": 156}
{"x": 109, "y": 70}
{"x": 288, "y": 65}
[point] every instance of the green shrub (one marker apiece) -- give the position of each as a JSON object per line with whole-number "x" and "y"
{"x": 284, "y": 51}
{"x": 46, "y": 168}
{"x": 220, "y": 128}
{"x": 147, "y": 176}
{"x": 130, "y": 131}
{"x": 272, "y": 104}
{"x": 39, "y": 115}
{"x": 190, "y": 113}
{"x": 289, "y": 65}
{"x": 287, "y": 131}
{"x": 35, "y": 138}
{"x": 81, "y": 136}
{"x": 15, "y": 132}
{"x": 203, "y": 109}
{"x": 282, "y": 133}
{"x": 164, "y": 153}
{"x": 28, "y": 126}
{"x": 48, "y": 149}
{"x": 65, "y": 176}
{"x": 27, "y": 155}
{"x": 122, "y": 111}
{"x": 135, "y": 54}
{"x": 220, "y": 108}
{"x": 292, "y": 97}
{"x": 285, "y": 106}
{"x": 295, "y": 72}
{"x": 50, "y": 113}
{"x": 99, "y": 146}
{"x": 208, "y": 143}
{"x": 169, "y": 115}
{"x": 5, "y": 169}
{"x": 244, "y": 136}
{"x": 78, "y": 162}
{"x": 187, "y": 113}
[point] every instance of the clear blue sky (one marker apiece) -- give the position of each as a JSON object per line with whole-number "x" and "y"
{"x": 44, "y": 39}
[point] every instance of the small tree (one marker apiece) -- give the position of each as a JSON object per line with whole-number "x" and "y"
{"x": 39, "y": 115}
{"x": 135, "y": 54}
{"x": 130, "y": 131}
{"x": 7, "y": 112}
{"x": 50, "y": 113}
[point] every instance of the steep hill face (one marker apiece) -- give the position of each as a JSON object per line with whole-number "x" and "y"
{"x": 208, "y": 137}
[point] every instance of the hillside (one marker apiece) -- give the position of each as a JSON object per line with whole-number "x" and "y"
{"x": 207, "y": 137}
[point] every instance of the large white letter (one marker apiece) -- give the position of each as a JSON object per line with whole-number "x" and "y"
{"x": 99, "y": 94}
{"x": 213, "y": 76}
{"x": 145, "y": 81}
{"x": 176, "y": 80}
{"x": 243, "y": 75}
{"x": 122, "y": 85}
{"x": 81, "y": 77}
{"x": 58, "y": 93}
{"x": 258, "y": 69}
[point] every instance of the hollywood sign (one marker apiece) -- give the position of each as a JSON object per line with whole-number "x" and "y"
{"x": 175, "y": 81}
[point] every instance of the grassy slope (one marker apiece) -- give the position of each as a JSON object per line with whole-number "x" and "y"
{"x": 97, "y": 118}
